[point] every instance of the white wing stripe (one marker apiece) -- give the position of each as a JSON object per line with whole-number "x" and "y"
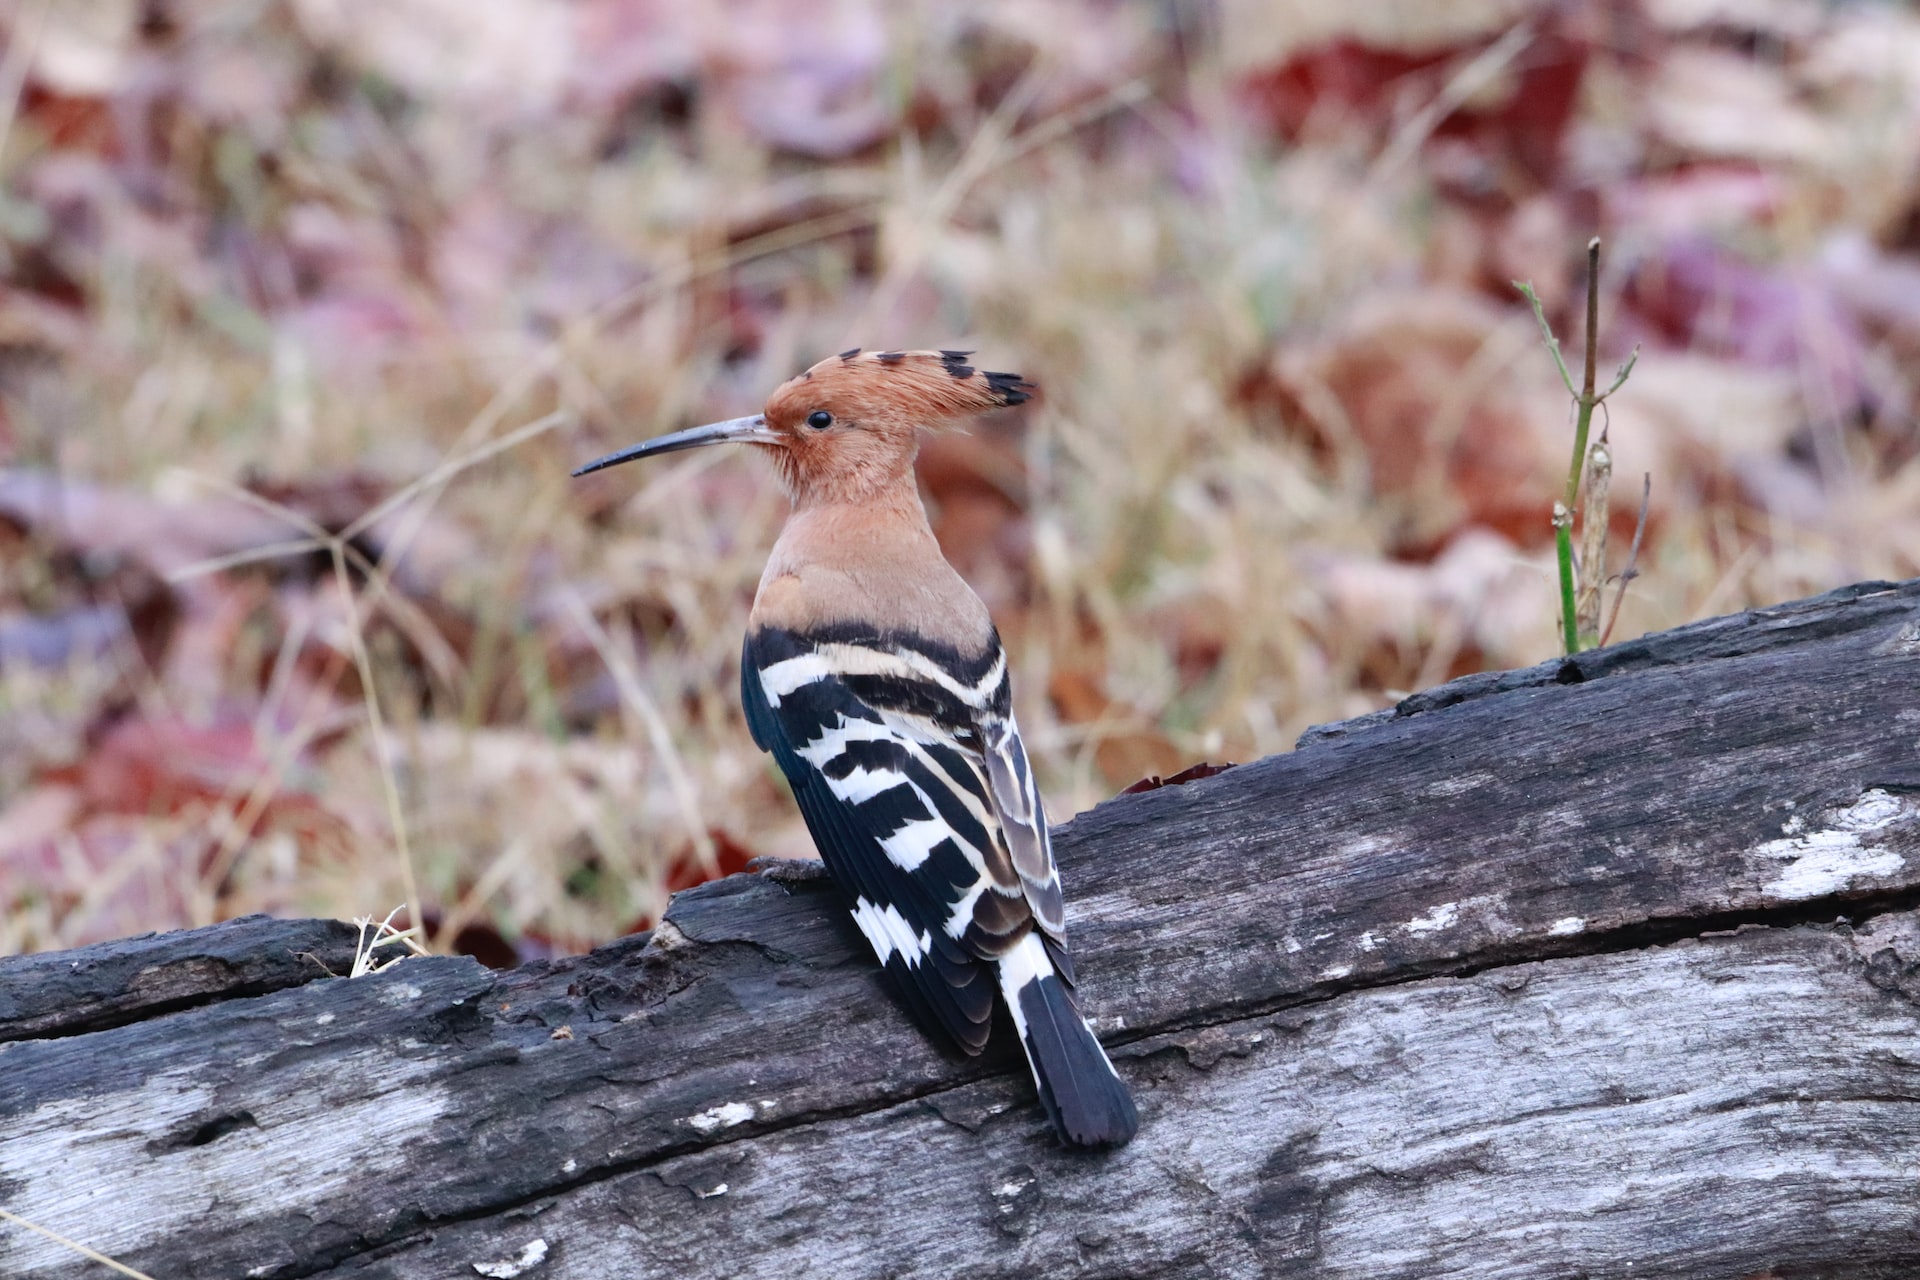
{"x": 783, "y": 677}
{"x": 911, "y": 844}
{"x": 842, "y": 660}
{"x": 888, "y": 931}
{"x": 864, "y": 784}
{"x": 827, "y": 748}
{"x": 962, "y": 915}
{"x": 1027, "y": 962}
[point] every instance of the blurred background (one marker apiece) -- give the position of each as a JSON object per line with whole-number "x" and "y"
{"x": 310, "y": 305}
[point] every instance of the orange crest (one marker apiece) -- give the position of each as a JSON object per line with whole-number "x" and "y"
{"x": 850, "y": 424}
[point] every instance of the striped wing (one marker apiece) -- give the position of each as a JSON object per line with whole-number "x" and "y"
{"x": 906, "y": 765}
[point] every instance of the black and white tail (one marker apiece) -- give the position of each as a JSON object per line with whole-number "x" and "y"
{"x": 1083, "y": 1097}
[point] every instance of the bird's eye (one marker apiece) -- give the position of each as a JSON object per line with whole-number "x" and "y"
{"x": 819, "y": 419}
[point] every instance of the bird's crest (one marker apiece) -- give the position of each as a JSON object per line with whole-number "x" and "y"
{"x": 852, "y": 421}
{"x": 932, "y": 387}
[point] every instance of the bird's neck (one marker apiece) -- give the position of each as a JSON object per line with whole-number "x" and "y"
{"x": 863, "y": 471}
{"x": 873, "y": 561}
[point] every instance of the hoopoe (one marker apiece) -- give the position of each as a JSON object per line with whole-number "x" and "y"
{"x": 875, "y": 677}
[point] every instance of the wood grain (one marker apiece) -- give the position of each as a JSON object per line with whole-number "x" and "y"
{"x": 1685, "y": 1109}
{"x": 1431, "y": 995}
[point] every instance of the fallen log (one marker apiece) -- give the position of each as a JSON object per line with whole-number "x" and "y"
{"x": 1606, "y": 967}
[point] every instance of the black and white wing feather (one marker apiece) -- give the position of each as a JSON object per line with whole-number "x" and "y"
{"x": 899, "y": 813}
{"x": 909, "y": 771}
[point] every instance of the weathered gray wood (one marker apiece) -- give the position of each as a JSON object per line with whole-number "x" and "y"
{"x": 62, "y": 993}
{"x": 1758, "y": 770}
{"x": 1690, "y": 1110}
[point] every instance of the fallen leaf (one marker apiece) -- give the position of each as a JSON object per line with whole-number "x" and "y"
{"x": 1191, "y": 773}
{"x": 1447, "y": 403}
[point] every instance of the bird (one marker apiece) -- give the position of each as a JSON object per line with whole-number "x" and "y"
{"x": 876, "y": 679}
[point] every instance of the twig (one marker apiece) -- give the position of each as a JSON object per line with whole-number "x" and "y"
{"x": 384, "y": 935}
{"x": 1546, "y": 334}
{"x": 1632, "y": 570}
{"x": 1593, "y": 538}
{"x": 77, "y": 1247}
{"x": 244, "y": 557}
{"x": 377, "y": 728}
{"x": 1583, "y": 421}
{"x": 1577, "y": 625}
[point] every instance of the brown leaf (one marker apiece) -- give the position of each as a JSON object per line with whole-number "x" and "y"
{"x": 1516, "y": 123}
{"x": 1445, "y": 401}
{"x": 97, "y": 519}
{"x": 1404, "y": 626}
{"x": 108, "y": 876}
{"x": 1721, "y": 104}
{"x": 730, "y": 858}
{"x": 154, "y": 764}
{"x": 1192, "y": 773}
{"x": 1127, "y": 748}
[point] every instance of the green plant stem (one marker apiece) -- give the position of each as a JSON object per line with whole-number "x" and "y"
{"x": 1563, "y": 517}
{"x": 1584, "y": 399}
{"x": 1563, "y": 548}
{"x": 1581, "y": 422}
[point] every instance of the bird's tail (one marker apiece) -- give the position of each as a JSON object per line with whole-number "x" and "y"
{"x": 1083, "y": 1096}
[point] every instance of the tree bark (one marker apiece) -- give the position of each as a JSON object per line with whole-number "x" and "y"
{"x": 1604, "y": 968}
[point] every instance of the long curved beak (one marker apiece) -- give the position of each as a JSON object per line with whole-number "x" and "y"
{"x": 752, "y": 430}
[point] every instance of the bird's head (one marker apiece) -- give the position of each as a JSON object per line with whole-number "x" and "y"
{"x": 847, "y": 429}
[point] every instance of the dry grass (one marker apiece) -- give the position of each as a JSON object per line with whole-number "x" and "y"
{"x": 339, "y": 273}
